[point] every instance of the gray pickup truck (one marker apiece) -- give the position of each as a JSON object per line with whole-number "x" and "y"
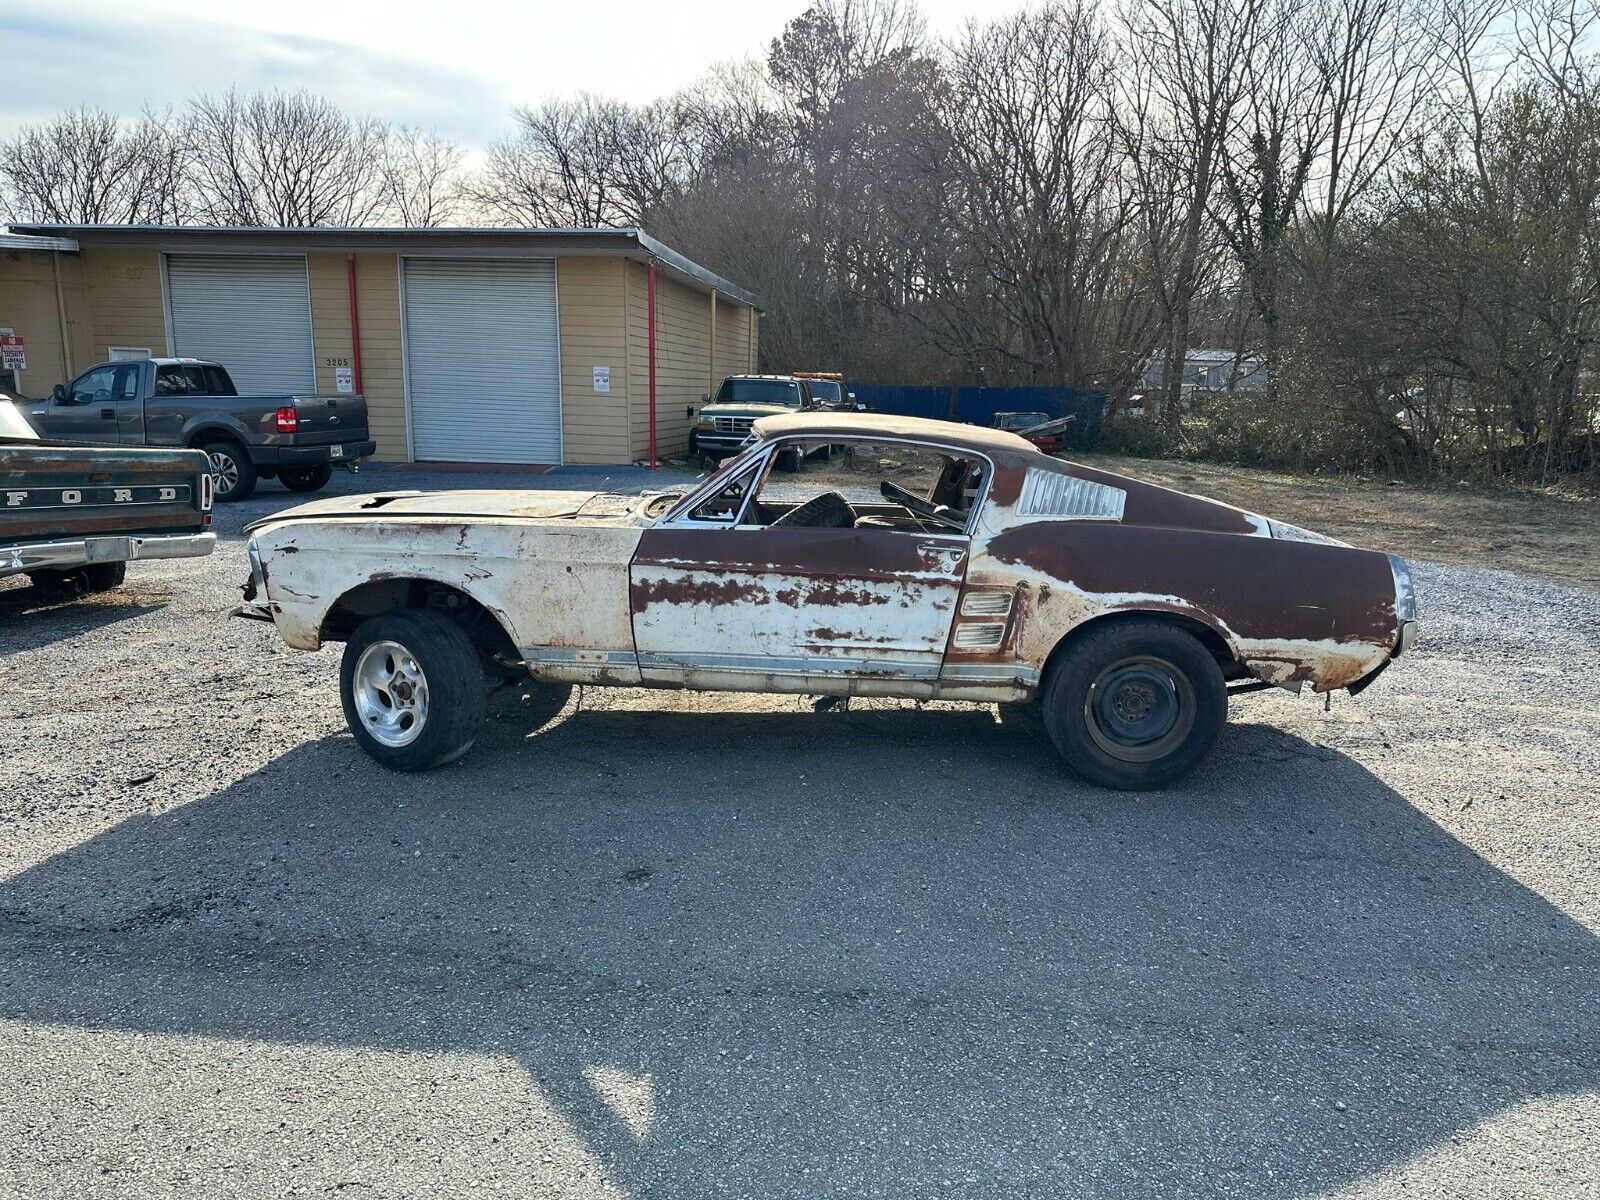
{"x": 191, "y": 402}
{"x": 73, "y": 517}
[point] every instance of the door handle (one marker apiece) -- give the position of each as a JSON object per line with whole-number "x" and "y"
{"x": 109, "y": 414}
{"x": 944, "y": 558}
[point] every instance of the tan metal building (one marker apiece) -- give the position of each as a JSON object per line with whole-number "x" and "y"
{"x": 470, "y": 345}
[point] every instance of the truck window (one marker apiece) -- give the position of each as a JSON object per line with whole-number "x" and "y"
{"x": 175, "y": 380}
{"x": 127, "y": 386}
{"x": 217, "y": 381}
{"x": 93, "y": 387}
{"x": 761, "y": 391}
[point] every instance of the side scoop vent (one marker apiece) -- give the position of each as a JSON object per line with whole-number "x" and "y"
{"x": 1047, "y": 494}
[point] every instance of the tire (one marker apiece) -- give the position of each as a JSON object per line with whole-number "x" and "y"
{"x": 408, "y": 646}
{"x": 792, "y": 460}
{"x": 71, "y": 582}
{"x": 1136, "y": 705}
{"x": 102, "y": 577}
{"x": 232, "y": 472}
{"x": 306, "y": 479}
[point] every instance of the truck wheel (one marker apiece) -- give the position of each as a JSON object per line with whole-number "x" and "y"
{"x": 102, "y": 577}
{"x": 232, "y": 472}
{"x": 305, "y": 479}
{"x": 1136, "y": 705}
{"x": 71, "y": 582}
{"x": 413, "y": 688}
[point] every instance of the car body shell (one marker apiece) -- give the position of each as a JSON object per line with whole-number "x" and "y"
{"x": 626, "y": 591}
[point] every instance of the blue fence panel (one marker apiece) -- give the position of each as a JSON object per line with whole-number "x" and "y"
{"x": 978, "y": 405}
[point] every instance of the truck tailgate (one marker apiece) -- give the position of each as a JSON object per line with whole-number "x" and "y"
{"x": 324, "y": 420}
{"x": 50, "y": 490}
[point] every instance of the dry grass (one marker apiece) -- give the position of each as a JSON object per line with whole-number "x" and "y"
{"x": 1530, "y": 531}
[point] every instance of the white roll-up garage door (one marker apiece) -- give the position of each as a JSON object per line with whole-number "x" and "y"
{"x": 250, "y": 313}
{"x": 483, "y": 361}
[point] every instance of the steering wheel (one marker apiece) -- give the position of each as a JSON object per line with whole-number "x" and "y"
{"x": 941, "y": 514}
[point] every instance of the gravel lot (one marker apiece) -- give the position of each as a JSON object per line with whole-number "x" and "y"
{"x": 681, "y": 945}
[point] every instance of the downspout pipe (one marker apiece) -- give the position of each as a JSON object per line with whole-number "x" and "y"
{"x": 650, "y": 303}
{"x": 61, "y": 315}
{"x": 355, "y": 324}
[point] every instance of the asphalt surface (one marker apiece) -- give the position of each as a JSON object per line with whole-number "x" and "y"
{"x": 705, "y": 945}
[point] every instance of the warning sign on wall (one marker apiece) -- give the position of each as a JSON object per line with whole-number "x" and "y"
{"x": 13, "y": 352}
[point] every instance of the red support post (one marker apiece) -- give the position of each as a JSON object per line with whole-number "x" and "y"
{"x": 650, "y": 292}
{"x": 355, "y": 324}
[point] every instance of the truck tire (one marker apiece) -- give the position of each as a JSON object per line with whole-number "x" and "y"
{"x": 71, "y": 582}
{"x": 413, "y": 688}
{"x": 232, "y": 472}
{"x": 102, "y": 577}
{"x": 306, "y": 479}
{"x": 1136, "y": 705}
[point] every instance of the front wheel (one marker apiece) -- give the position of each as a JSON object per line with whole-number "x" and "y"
{"x": 1136, "y": 705}
{"x": 413, "y": 688}
{"x": 306, "y": 479}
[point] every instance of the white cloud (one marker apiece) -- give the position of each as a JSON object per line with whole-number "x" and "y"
{"x": 456, "y": 67}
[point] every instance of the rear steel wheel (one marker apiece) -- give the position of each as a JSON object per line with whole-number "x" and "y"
{"x": 1135, "y": 704}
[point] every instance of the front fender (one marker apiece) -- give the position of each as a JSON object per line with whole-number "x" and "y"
{"x": 549, "y": 585}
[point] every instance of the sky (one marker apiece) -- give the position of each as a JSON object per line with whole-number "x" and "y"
{"x": 457, "y": 67}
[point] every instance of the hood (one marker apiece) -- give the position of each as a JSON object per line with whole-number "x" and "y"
{"x": 744, "y": 408}
{"x": 471, "y": 505}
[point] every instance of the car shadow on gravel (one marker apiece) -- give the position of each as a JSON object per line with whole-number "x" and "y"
{"x": 774, "y": 953}
{"x": 32, "y": 617}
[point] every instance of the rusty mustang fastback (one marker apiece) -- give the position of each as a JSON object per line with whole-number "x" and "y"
{"x": 899, "y": 557}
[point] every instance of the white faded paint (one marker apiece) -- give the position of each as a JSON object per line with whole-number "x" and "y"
{"x": 550, "y": 581}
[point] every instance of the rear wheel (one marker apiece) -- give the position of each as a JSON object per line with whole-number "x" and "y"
{"x": 1136, "y": 705}
{"x": 232, "y": 473}
{"x": 306, "y": 479}
{"x": 413, "y": 689}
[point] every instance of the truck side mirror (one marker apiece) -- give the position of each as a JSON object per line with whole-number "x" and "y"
{"x": 59, "y": 393}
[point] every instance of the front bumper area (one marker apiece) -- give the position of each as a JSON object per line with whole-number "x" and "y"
{"x": 67, "y": 553}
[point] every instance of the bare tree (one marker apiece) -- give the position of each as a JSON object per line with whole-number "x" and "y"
{"x": 421, "y": 179}
{"x": 284, "y": 158}
{"x": 1043, "y": 212}
{"x": 565, "y": 165}
{"x": 1186, "y": 75}
{"x": 89, "y": 167}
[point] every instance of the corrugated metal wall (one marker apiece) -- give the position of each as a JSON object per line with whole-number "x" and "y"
{"x": 251, "y": 313}
{"x": 483, "y": 360}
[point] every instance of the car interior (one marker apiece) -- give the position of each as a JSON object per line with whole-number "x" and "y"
{"x": 864, "y": 485}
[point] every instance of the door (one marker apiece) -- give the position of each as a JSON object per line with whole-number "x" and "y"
{"x": 863, "y": 603}
{"x": 87, "y": 414}
{"x": 483, "y": 360}
{"x": 251, "y": 313}
{"x": 126, "y": 404}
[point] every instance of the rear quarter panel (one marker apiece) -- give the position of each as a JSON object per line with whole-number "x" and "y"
{"x": 1292, "y": 612}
